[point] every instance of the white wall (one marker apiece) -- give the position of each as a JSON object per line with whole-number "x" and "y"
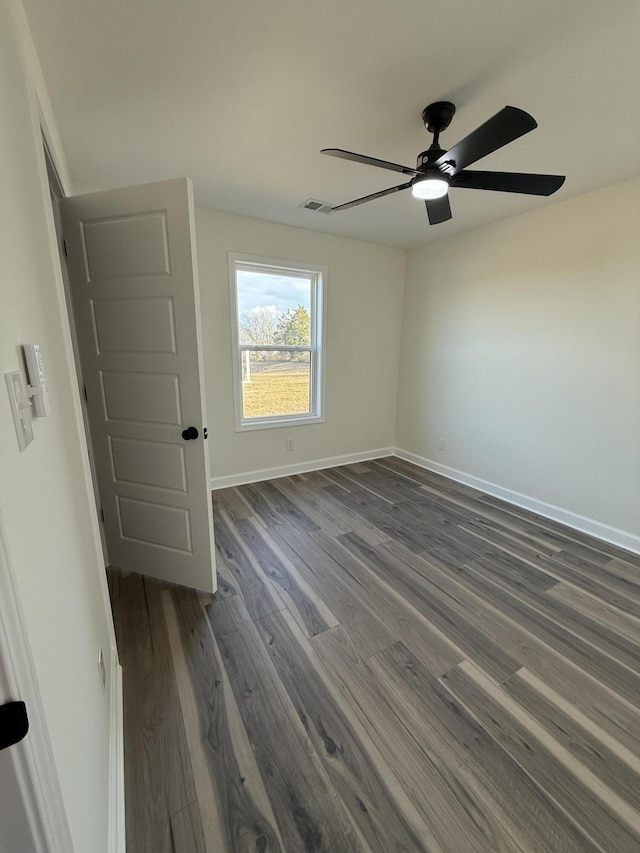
{"x": 47, "y": 510}
{"x": 364, "y": 312}
{"x": 521, "y": 347}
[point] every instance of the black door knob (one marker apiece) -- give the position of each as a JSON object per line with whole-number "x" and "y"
{"x": 14, "y": 723}
{"x": 189, "y": 433}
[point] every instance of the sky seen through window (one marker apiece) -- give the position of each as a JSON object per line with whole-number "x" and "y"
{"x": 265, "y": 290}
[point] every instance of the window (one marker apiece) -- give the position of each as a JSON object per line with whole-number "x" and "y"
{"x": 277, "y": 340}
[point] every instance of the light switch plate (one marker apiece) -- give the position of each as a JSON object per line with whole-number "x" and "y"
{"x": 20, "y": 407}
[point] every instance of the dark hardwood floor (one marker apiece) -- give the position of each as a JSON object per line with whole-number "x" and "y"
{"x": 393, "y": 663}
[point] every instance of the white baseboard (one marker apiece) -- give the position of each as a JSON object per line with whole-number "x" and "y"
{"x": 599, "y": 530}
{"x": 613, "y": 535}
{"x": 297, "y": 468}
{"x": 117, "y": 842}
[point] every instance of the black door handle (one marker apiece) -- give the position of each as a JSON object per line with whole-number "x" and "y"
{"x": 14, "y": 723}
{"x": 189, "y": 433}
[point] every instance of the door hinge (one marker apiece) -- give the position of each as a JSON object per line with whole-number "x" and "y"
{"x": 64, "y": 248}
{"x": 102, "y": 514}
{"x": 86, "y": 396}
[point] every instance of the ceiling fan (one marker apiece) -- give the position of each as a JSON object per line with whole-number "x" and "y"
{"x": 438, "y": 170}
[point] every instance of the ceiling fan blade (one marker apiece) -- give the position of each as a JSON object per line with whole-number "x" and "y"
{"x": 438, "y": 210}
{"x": 509, "y": 182}
{"x": 369, "y": 161}
{"x": 504, "y": 127}
{"x": 371, "y": 197}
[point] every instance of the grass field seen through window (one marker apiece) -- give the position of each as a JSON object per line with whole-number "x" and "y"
{"x": 269, "y": 393}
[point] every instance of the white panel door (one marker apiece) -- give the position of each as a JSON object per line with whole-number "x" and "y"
{"x": 134, "y": 292}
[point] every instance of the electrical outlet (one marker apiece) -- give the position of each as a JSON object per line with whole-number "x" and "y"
{"x": 102, "y": 668}
{"x": 290, "y": 444}
{"x": 442, "y": 444}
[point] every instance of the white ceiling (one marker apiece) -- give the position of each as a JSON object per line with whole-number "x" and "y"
{"x": 241, "y": 95}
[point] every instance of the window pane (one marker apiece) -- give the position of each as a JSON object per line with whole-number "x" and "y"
{"x": 273, "y": 309}
{"x": 275, "y": 383}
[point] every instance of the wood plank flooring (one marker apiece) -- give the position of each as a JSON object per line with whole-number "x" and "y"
{"x": 393, "y": 663}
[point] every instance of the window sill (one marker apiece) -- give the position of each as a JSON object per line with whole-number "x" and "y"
{"x": 248, "y": 426}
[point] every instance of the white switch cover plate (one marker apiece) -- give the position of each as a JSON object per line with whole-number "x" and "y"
{"x": 20, "y": 407}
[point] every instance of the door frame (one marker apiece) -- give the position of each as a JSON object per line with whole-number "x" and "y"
{"x": 56, "y": 193}
{"x": 31, "y": 762}
{"x": 116, "y": 842}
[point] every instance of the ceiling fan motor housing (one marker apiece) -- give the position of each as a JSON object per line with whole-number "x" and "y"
{"x": 426, "y": 158}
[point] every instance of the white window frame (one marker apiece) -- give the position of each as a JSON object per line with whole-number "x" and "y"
{"x": 318, "y": 276}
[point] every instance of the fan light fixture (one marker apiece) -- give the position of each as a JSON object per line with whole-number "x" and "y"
{"x": 430, "y": 188}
